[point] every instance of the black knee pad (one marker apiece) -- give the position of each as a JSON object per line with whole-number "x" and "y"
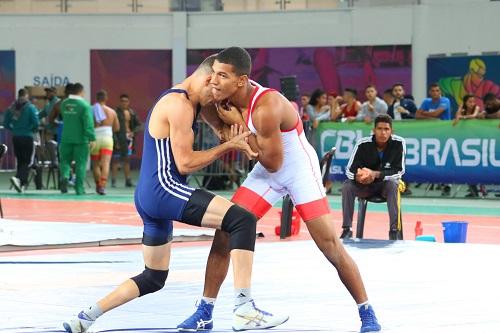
{"x": 241, "y": 226}
{"x": 150, "y": 280}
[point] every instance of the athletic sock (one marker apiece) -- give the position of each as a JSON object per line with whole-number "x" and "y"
{"x": 209, "y": 300}
{"x": 93, "y": 312}
{"x": 362, "y": 304}
{"x": 242, "y": 296}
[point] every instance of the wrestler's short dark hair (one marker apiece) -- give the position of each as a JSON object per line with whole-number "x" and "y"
{"x": 383, "y": 118}
{"x": 238, "y": 58}
{"x": 206, "y": 65}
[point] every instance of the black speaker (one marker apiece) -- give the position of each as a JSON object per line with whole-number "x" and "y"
{"x": 289, "y": 87}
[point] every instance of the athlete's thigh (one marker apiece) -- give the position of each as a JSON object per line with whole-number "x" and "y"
{"x": 205, "y": 209}
{"x": 306, "y": 189}
{"x": 157, "y": 257}
{"x": 257, "y": 194}
{"x": 158, "y": 231}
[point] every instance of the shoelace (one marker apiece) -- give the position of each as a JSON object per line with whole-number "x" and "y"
{"x": 200, "y": 310}
{"x": 261, "y": 311}
{"x": 367, "y": 315}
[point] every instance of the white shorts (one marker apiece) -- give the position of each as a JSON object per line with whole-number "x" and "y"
{"x": 300, "y": 177}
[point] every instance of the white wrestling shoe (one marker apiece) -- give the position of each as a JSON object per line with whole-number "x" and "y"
{"x": 79, "y": 324}
{"x": 248, "y": 317}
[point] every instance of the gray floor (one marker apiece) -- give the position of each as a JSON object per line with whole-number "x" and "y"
{"x": 414, "y": 287}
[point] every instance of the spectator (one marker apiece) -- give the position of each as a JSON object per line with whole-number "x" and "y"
{"x": 468, "y": 110}
{"x": 124, "y": 140}
{"x": 55, "y": 118}
{"x": 375, "y": 168}
{"x": 373, "y": 106}
{"x": 402, "y": 106}
{"x": 349, "y": 110}
{"x": 434, "y": 107}
{"x": 52, "y": 100}
{"x": 106, "y": 123}
{"x": 317, "y": 112}
{"x": 491, "y": 107}
{"x": 388, "y": 97}
{"x": 304, "y": 101}
{"x": 333, "y": 104}
{"x": 22, "y": 119}
{"x": 78, "y": 136}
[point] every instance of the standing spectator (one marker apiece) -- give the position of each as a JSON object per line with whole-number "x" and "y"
{"x": 304, "y": 101}
{"x": 491, "y": 107}
{"x": 317, "y": 112}
{"x": 375, "y": 168}
{"x": 435, "y": 106}
{"x": 468, "y": 110}
{"x": 349, "y": 110}
{"x": 402, "y": 107}
{"x": 333, "y": 102}
{"x": 124, "y": 140}
{"x": 78, "y": 136}
{"x": 106, "y": 123}
{"x": 373, "y": 106}
{"x": 52, "y": 100}
{"x": 388, "y": 97}
{"x": 55, "y": 118}
{"x": 22, "y": 119}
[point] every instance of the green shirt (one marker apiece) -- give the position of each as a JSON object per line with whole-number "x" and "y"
{"x": 21, "y": 119}
{"x": 78, "y": 121}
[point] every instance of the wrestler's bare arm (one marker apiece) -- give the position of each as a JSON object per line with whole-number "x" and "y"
{"x": 173, "y": 118}
{"x": 267, "y": 120}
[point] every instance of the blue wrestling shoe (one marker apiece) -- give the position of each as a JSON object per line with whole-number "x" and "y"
{"x": 200, "y": 320}
{"x": 369, "y": 321}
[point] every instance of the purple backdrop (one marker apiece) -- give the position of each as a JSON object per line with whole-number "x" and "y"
{"x": 329, "y": 68}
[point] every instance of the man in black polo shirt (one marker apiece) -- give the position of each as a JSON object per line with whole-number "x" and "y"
{"x": 375, "y": 168}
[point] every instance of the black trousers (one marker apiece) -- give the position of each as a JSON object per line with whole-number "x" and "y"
{"x": 23, "y": 149}
{"x": 387, "y": 189}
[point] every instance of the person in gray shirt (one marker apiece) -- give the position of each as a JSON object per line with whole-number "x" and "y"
{"x": 373, "y": 106}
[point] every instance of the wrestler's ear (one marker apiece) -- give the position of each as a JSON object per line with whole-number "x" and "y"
{"x": 208, "y": 78}
{"x": 242, "y": 80}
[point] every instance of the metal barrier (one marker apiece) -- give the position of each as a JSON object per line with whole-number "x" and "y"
{"x": 232, "y": 168}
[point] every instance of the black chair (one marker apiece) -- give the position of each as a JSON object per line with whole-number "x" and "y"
{"x": 287, "y": 206}
{"x": 52, "y": 163}
{"x": 362, "y": 206}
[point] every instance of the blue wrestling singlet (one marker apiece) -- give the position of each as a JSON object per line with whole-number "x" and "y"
{"x": 162, "y": 193}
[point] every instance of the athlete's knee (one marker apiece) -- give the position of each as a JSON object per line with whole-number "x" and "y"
{"x": 220, "y": 244}
{"x": 241, "y": 226}
{"x": 150, "y": 280}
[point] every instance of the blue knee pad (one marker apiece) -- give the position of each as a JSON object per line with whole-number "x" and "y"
{"x": 150, "y": 280}
{"x": 242, "y": 226}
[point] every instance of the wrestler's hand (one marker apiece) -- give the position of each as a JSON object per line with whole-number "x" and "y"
{"x": 229, "y": 114}
{"x": 225, "y": 133}
{"x": 239, "y": 140}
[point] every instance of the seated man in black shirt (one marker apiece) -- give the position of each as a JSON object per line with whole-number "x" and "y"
{"x": 375, "y": 168}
